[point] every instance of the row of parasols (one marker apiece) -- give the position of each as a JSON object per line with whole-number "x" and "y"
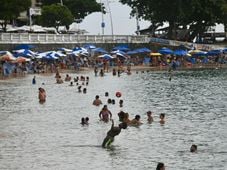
{"x": 24, "y": 53}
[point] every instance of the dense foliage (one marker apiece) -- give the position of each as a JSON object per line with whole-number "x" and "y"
{"x": 56, "y": 15}
{"x": 194, "y": 16}
{"x": 10, "y": 10}
{"x": 79, "y": 8}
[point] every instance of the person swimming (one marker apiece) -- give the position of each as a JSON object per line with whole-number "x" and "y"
{"x": 106, "y": 94}
{"x": 193, "y": 148}
{"x": 109, "y": 101}
{"x": 97, "y": 101}
{"x": 82, "y": 121}
{"x": 67, "y": 78}
{"x": 114, "y": 131}
{"x": 160, "y": 166}
{"x": 135, "y": 121}
{"x": 162, "y": 118}
{"x": 71, "y": 83}
{"x": 121, "y": 103}
{"x": 87, "y": 120}
{"x": 149, "y": 117}
{"x": 84, "y": 90}
{"x": 79, "y": 88}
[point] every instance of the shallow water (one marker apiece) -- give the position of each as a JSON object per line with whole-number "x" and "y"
{"x": 49, "y": 136}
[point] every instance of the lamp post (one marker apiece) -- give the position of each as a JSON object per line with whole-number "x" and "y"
{"x": 137, "y": 23}
{"x": 102, "y": 23}
{"x": 111, "y": 20}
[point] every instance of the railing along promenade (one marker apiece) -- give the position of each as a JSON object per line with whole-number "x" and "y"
{"x": 37, "y": 38}
{"x": 33, "y": 38}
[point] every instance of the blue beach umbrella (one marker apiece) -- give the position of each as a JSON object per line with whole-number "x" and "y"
{"x": 24, "y": 53}
{"x": 180, "y": 52}
{"x": 99, "y": 50}
{"x": 143, "y": 50}
{"x": 165, "y": 50}
{"x": 89, "y": 46}
{"x": 118, "y": 51}
{"x": 80, "y": 51}
{"x": 214, "y": 52}
{"x": 65, "y": 50}
{"x": 122, "y": 48}
{"x": 24, "y": 46}
{"x": 224, "y": 50}
{"x": 106, "y": 57}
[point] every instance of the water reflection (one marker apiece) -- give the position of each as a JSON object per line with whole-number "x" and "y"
{"x": 49, "y": 136}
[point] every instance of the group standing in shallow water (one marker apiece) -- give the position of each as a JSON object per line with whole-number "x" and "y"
{"x": 106, "y": 115}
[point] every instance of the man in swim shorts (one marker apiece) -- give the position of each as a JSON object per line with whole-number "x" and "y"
{"x": 114, "y": 131}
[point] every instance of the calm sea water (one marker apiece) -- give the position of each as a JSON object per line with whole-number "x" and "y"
{"x": 49, "y": 136}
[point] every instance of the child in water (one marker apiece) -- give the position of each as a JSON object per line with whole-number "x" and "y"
{"x": 114, "y": 131}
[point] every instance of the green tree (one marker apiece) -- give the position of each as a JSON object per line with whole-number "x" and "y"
{"x": 195, "y": 16}
{"x": 56, "y": 15}
{"x": 79, "y": 8}
{"x": 11, "y": 9}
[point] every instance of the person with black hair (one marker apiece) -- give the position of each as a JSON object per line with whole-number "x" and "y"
{"x": 136, "y": 121}
{"x": 114, "y": 131}
{"x": 160, "y": 166}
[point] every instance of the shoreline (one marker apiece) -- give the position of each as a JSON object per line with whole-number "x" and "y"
{"x": 133, "y": 68}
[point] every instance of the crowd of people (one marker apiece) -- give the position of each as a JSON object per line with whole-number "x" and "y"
{"x": 105, "y": 114}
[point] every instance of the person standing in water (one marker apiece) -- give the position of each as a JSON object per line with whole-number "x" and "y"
{"x": 105, "y": 113}
{"x": 42, "y": 95}
{"x": 114, "y": 131}
{"x": 34, "y": 80}
{"x": 97, "y": 101}
{"x": 160, "y": 166}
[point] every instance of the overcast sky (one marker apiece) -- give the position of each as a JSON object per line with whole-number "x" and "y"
{"x": 122, "y": 23}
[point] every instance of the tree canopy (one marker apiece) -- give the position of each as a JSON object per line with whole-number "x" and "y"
{"x": 79, "y": 8}
{"x": 11, "y": 9}
{"x": 194, "y": 16}
{"x": 56, "y": 15}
